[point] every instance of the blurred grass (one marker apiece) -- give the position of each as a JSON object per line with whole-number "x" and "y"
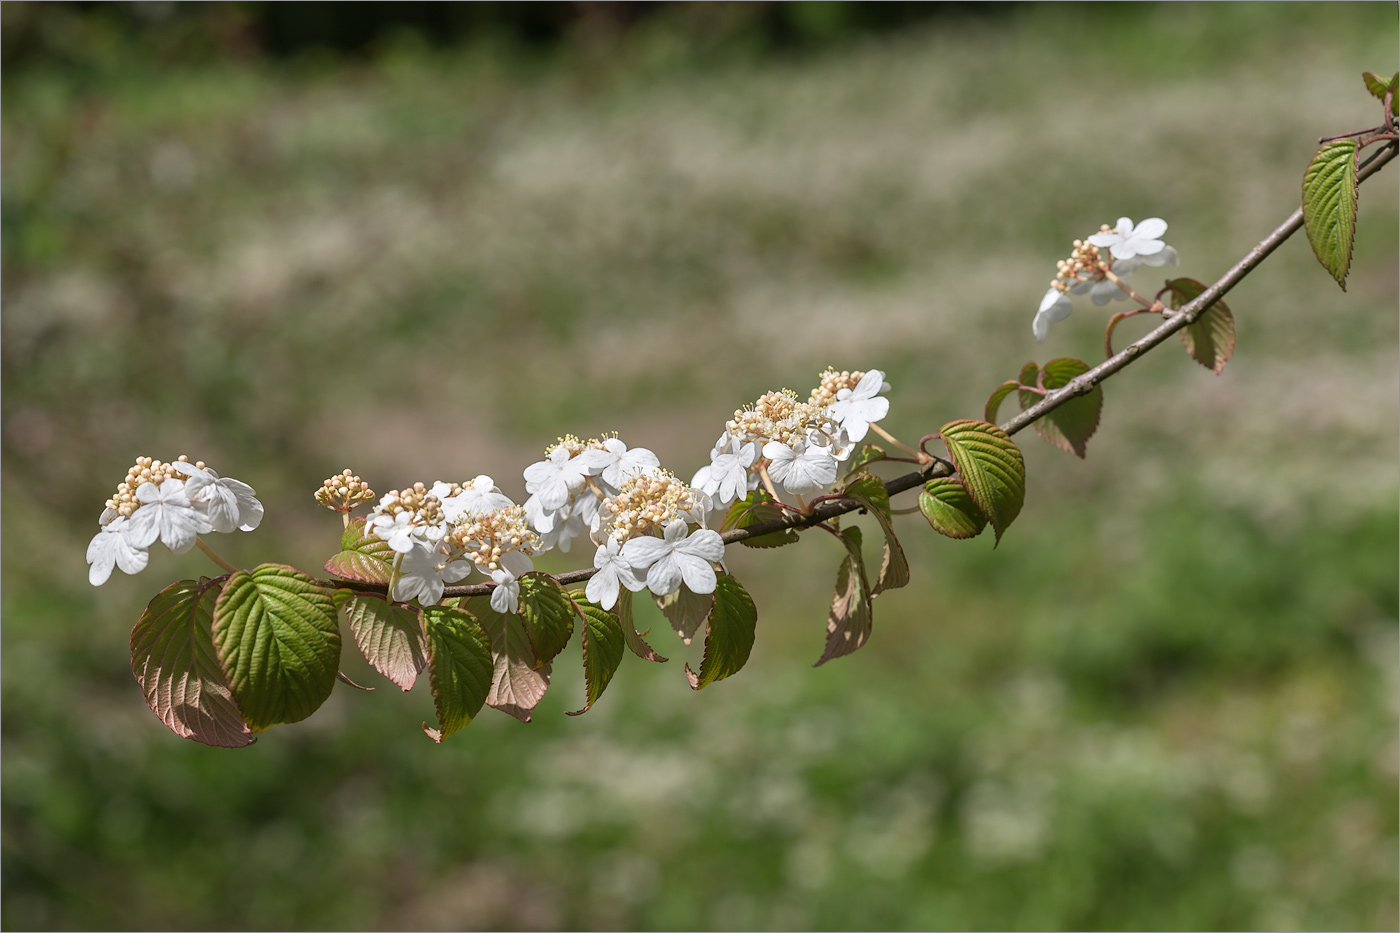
{"x": 1168, "y": 700}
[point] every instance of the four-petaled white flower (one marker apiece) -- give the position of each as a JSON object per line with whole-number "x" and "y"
{"x": 113, "y": 546}
{"x": 397, "y": 529}
{"x": 557, "y": 476}
{"x": 1055, "y": 306}
{"x": 670, "y": 560}
{"x": 505, "y": 596}
{"x": 619, "y": 462}
{"x": 423, "y": 573}
{"x": 480, "y": 497}
{"x": 228, "y": 503}
{"x": 613, "y": 571}
{"x": 802, "y": 468}
{"x": 727, "y": 476}
{"x": 856, "y": 409}
{"x": 1128, "y": 241}
{"x": 166, "y": 513}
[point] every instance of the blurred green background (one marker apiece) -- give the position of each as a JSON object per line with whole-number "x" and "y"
{"x": 287, "y": 238}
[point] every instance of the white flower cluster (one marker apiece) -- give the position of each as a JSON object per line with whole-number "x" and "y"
{"x": 174, "y": 502}
{"x": 441, "y": 532}
{"x": 798, "y": 443}
{"x": 1088, "y": 271}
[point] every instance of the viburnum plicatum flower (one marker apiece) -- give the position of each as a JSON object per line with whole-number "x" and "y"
{"x": 618, "y": 461}
{"x": 396, "y": 529}
{"x": 856, "y": 409}
{"x": 1055, "y": 306}
{"x": 424, "y": 572}
{"x": 801, "y": 468}
{"x": 675, "y": 558}
{"x": 228, "y": 503}
{"x": 1128, "y": 241}
{"x": 727, "y": 476}
{"x": 558, "y": 475}
{"x": 613, "y": 571}
{"x": 166, "y": 513}
{"x": 480, "y": 497}
{"x": 112, "y": 546}
{"x": 505, "y": 595}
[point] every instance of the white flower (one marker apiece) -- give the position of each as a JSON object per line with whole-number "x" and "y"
{"x": 557, "y": 476}
{"x": 856, "y": 409}
{"x": 505, "y": 598}
{"x": 618, "y": 462}
{"x": 1128, "y": 241}
{"x": 1102, "y": 291}
{"x": 540, "y": 518}
{"x": 423, "y": 572}
{"x": 1162, "y": 258}
{"x": 166, "y": 513}
{"x": 480, "y": 497}
{"x": 727, "y": 476}
{"x": 675, "y": 558}
{"x": 613, "y": 570}
{"x": 227, "y": 502}
{"x": 837, "y": 443}
{"x": 397, "y": 529}
{"x": 802, "y": 468}
{"x": 113, "y": 545}
{"x": 1055, "y": 306}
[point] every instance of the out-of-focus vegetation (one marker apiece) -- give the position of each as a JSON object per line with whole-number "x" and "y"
{"x": 1167, "y": 700}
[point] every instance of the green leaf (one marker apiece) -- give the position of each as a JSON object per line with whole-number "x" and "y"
{"x": 995, "y": 399}
{"x": 390, "y": 637}
{"x": 278, "y": 642}
{"x": 603, "y": 640}
{"x": 517, "y": 682}
{"x": 991, "y": 467}
{"x": 548, "y": 614}
{"x": 629, "y": 631}
{"x": 685, "y": 610}
{"x": 729, "y": 633}
{"x": 1211, "y": 338}
{"x": 460, "y": 668}
{"x": 872, "y": 490}
{"x": 173, "y": 659}
{"x": 894, "y": 566}
{"x": 1329, "y": 206}
{"x": 755, "y": 508}
{"x": 863, "y": 457}
{"x": 1070, "y": 426}
{"x": 950, "y": 510}
{"x": 368, "y": 559}
{"x": 1374, "y": 83}
{"x": 849, "y": 622}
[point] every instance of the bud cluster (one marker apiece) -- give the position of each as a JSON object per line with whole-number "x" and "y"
{"x": 343, "y": 492}
{"x": 647, "y": 501}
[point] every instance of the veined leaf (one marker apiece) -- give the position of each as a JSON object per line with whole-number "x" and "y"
{"x": 1070, "y": 426}
{"x": 367, "y": 558}
{"x": 1211, "y": 338}
{"x": 950, "y": 510}
{"x": 1329, "y": 206}
{"x": 863, "y": 457}
{"x": 602, "y": 651}
{"x": 173, "y": 659}
{"x": 991, "y": 468}
{"x": 629, "y": 630}
{"x": 1379, "y": 87}
{"x": 460, "y": 668}
{"x": 685, "y": 610}
{"x": 758, "y": 507}
{"x": 517, "y": 683}
{"x": 548, "y": 614}
{"x": 872, "y": 490}
{"x": 849, "y": 622}
{"x": 894, "y": 566}
{"x": 390, "y": 637}
{"x": 729, "y": 633}
{"x": 995, "y": 399}
{"x": 278, "y": 643}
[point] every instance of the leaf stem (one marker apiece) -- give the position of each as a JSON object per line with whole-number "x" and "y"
{"x": 209, "y": 552}
{"x": 896, "y": 442}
